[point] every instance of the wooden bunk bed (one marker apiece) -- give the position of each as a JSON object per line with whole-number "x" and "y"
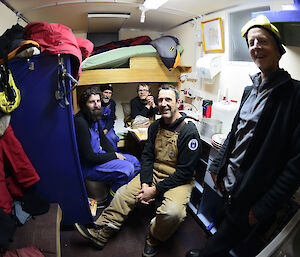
{"x": 141, "y": 69}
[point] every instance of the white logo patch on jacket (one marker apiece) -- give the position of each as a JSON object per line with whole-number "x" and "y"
{"x": 193, "y": 144}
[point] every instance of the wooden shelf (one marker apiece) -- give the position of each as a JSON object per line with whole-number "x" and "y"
{"x": 141, "y": 69}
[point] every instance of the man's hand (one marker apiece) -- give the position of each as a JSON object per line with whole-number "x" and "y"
{"x": 150, "y": 101}
{"x": 105, "y": 131}
{"x": 120, "y": 156}
{"x": 147, "y": 194}
{"x": 219, "y": 186}
{"x": 252, "y": 219}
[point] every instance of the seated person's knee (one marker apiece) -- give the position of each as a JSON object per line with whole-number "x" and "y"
{"x": 175, "y": 211}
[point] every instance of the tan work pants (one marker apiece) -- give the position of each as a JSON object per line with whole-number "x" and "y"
{"x": 169, "y": 214}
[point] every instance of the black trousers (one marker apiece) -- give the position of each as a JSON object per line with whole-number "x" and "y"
{"x": 227, "y": 237}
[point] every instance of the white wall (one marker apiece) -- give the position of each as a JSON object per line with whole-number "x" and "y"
{"x": 123, "y": 94}
{"x": 233, "y": 75}
{"x": 8, "y": 19}
{"x": 290, "y": 61}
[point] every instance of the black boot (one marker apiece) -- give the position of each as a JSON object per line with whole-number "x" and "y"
{"x": 151, "y": 246}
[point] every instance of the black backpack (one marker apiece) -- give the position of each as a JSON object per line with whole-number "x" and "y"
{"x": 11, "y": 39}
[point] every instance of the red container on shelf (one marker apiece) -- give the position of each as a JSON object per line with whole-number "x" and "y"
{"x": 206, "y": 108}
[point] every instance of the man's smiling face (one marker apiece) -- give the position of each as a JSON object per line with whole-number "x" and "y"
{"x": 263, "y": 50}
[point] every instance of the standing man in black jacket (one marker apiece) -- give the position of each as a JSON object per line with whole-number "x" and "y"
{"x": 258, "y": 167}
{"x": 168, "y": 163}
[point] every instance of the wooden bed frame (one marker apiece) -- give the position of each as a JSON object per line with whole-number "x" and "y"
{"x": 141, "y": 69}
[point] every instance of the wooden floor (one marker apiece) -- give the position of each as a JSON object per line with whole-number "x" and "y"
{"x": 129, "y": 241}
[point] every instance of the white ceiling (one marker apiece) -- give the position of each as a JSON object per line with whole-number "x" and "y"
{"x": 74, "y": 14}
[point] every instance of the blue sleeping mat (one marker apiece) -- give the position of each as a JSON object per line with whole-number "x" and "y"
{"x": 46, "y": 131}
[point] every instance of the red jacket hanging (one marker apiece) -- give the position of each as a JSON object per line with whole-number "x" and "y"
{"x": 21, "y": 172}
{"x": 55, "y": 38}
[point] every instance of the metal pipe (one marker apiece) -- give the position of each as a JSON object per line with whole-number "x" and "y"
{"x": 13, "y": 10}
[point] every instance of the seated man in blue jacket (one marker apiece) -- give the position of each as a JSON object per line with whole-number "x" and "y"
{"x": 108, "y": 117}
{"x": 99, "y": 161}
{"x": 258, "y": 167}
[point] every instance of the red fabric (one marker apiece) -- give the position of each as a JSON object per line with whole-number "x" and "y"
{"x": 137, "y": 40}
{"x": 55, "y": 38}
{"x": 13, "y": 157}
{"x": 30, "y": 251}
{"x": 86, "y": 47}
{"x": 142, "y": 40}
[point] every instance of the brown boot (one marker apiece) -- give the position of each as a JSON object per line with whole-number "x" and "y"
{"x": 98, "y": 237}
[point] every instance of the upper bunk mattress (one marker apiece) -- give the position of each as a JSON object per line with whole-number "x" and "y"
{"x": 117, "y": 57}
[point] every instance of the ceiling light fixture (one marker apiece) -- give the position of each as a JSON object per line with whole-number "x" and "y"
{"x": 150, "y": 5}
{"x": 143, "y": 10}
{"x": 109, "y": 15}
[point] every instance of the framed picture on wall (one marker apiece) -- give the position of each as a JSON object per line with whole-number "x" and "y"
{"x": 212, "y": 35}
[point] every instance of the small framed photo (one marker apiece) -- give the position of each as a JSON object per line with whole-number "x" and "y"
{"x": 212, "y": 35}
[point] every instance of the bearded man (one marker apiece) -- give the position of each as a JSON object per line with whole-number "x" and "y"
{"x": 99, "y": 161}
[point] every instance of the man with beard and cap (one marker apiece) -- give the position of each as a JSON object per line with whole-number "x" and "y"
{"x": 108, "y": 107}
{"x": 169, "y": 159}
{"x": 258, "y": 167}
{"x": 98, "y": 159}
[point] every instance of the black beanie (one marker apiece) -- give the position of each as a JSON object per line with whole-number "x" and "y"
{"x": 106, "y": 87}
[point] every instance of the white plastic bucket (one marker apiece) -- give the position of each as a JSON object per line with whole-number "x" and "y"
{"x": 225, "y": 111}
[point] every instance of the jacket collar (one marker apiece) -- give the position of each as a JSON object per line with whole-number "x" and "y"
{"x": 173, "y": 125}
{"x": 274, "y": 79}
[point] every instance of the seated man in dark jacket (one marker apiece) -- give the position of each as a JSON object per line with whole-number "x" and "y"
{"x": 98, "y": 159}
{"x": 258, "y": 167}
{"x": 144, "y": 104}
